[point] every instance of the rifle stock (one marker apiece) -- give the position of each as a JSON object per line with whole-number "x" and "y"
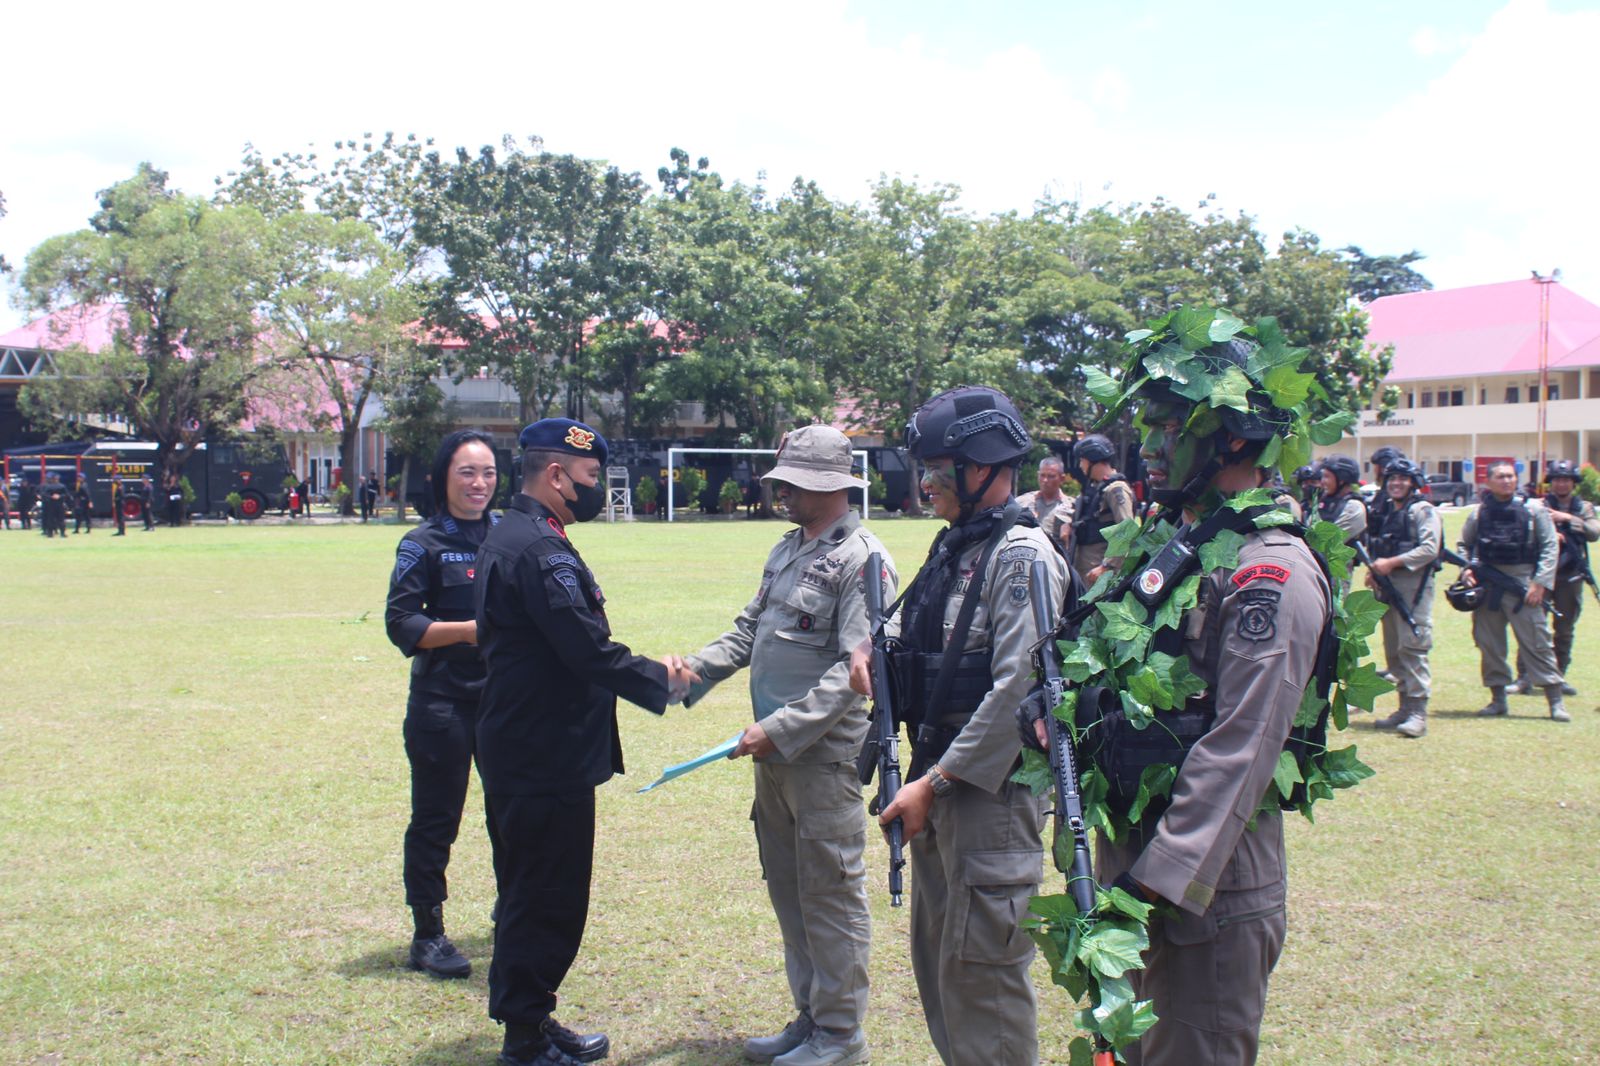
{"x": 1385, "y": 583}
{"x": 881, "y": 752}
{"x": 1063, "y": 767}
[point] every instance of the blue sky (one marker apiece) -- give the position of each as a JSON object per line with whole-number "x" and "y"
{"x": 1464, "y": 130}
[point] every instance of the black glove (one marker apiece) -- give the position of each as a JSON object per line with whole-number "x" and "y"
{"x": 1030, "y": 712}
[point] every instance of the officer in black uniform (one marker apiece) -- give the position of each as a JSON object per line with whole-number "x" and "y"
{"x": 53, "y": 516}
{"x": 82, "y": 507}
{"x": 430, "y": 619}
{"x": 117, "y": 493}
{"x": 1308, "y": 484}
{"x": 547, "y": 731}
{"x": 147, "y": 497}
{"x": 27, "y": 496}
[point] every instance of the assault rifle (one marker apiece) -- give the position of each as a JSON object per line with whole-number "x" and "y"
{"x": 881, "y": 751}
{"x": 1063, "y": 768}
{"x": 1386, "y": 586}
{"x": 1497, "y": 578}
{"x": 1588, "y": 577}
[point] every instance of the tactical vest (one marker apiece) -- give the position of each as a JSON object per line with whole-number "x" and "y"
{"x": 1574, "y": 549}
{"x": 1396, "y": 532}
{"x": 1505, "y": 532}
{"x": 1087, "y": 525}
{"x": 1122, "y": 752}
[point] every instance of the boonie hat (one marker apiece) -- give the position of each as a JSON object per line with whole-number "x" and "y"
{"x": 563, "y": 435}
{"x": 815, "y": 458}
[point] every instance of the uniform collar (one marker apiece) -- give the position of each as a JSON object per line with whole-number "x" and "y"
{"x": 537, "y": 511}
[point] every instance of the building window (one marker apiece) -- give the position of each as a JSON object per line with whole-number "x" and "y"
{"x": 1411, "y": 399}
{"x": 1553, "y": 392}
{"x": 1458, "y": 397}
{"x": 1483, "y": 396}
{"x": 1512, "y": 394}
{"x": 1427, "y": 399}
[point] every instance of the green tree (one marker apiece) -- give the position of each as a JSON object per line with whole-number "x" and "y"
{"x": 537, "y": 246}
{"x": 416, "y": 414}
{"x": 5, "y": 267}
{"x": 183, "y": 278}
{"x": 1372, "y": 276}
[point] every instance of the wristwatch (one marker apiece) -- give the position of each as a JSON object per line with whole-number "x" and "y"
{"x": 942, "y": 786}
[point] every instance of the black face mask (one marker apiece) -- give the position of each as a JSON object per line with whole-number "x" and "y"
{"x": 589, "y": 501}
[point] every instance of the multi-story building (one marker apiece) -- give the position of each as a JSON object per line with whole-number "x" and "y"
{"x": 1467, "y": 364}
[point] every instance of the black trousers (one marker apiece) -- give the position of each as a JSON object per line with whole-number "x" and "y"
{"x": 440, "y": 735}
{"x": 543, "y": 862}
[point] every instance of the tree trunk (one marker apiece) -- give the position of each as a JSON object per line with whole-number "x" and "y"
{"x": 400, "y": 497}
{"x": 352, "y": 478}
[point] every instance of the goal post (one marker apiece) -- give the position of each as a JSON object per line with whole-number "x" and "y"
{"x": 672, "y": 464}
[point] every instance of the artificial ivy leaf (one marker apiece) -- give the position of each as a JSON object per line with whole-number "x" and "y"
{"x": 1138, "y": 714}
{"x": 1088, "y": 657}
{"x": 1128, "y": 1022}
{"x": 1147, "y": 688}
{"x": 1123, "y": 619}
{"x": 1287, "y": 774}
{"x": 1362, "y": 613}
{"x": 1107, "y": 950}
{"x": 1363, "y": 685}
{"x": 1192, "y": 326}
{"x": 1111, "y": 993}
{"x": 1221, "y": 551}
{"x": 1058, "y": 908}
{"x": 1132, "y": 649}
{"x": 1278, "y": 516}
{"x": 1287, "y": 385}
{"x": 1199, "y": 381}
{"x": 1034, "y": 772}
{"x": 1134, "y": 336}
{"x": 1120, "y": 537}
{"x": 1223, "y": 327}
{"x": 1330, "y": 430}
{"x": 1102, "y": 386}
{"x": 1101, "y": 584}
{"x": 1181, "y": 680}
{"x": 1166, "y": 361}
{"x": 1154, "y": 783}
{"x": 1080, "y": 1052}
{"x": 1153, "y": 539}
{"x": 1232, "y": 389}
{"x": 1067, "y": 710}
{"x": 1296, "y": 451}
{"x": 1171, "y": 610}
{"x": 1117, "y": 901}
{"x": 1311, "y": 706}
{"x": 1243, "y": 501}
{"x": 1339, "y": 709}
{"x": 1096, "y": 813}
{"x": 1203, "y": 421}
{"x": 1269, "y": 455}
{"x": 1344, "y": 770}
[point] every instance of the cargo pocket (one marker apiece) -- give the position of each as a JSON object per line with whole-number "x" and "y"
{"x": 808, "y": 617}
{"x": 430, "y": 714}
{"x": 831, "y": 849}
{"x": 994, "y": 896}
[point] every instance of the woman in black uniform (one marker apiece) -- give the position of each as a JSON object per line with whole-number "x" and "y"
{"x": 430, "y": 619}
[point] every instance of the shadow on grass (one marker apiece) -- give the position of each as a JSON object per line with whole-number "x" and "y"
{"x": 467, "y": 1051}
{"x": 1530, "y": 714}
{"x": 686, "y": 1051}
{"x": 391, "y": 963}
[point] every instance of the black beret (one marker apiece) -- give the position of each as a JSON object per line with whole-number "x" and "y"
{"x": 563, "y": 435}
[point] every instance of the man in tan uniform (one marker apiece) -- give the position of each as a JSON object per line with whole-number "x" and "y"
{"x": 976, "y": 850}
{"x": 1051, "y": 507}
{"x": 1253, "y": 637}
{"x": 1515, "y": 536}
{"x": 1106, "y": 500}
{"x": 1405, "y": 543}
{"x": 796, "y": 637}
{"x": 1576, "y": 528}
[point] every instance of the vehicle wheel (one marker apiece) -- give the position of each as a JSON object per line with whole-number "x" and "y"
{"x": 1458, "y": 499}
{"x": 251, "y": 505}
{"x": 131, "y": 509}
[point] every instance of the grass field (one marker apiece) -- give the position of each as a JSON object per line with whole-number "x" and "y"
{"x": 203, "y": 790}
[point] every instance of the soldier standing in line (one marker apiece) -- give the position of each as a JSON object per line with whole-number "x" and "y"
{"x": 796, "y": 637}
{"x": 1253, "y": 636}
{"x": 116, "y": 506}
{"x": 1515, "y": 536}
{"x": 1577, "y": 527}
{"x": 82, "y": 507}
{"x": 1107, "y": 499}
{"x": 147, "y": 502}
{"x": 1380, "y": 503}
{"x": 967, "y": 631}
{"x": 27, "y": 496}
{"x": 1051, "y": 507}
{"x": 1405, "y": 548}
{"x": 5, "y": 505}
{"x": 53, "y": 515}
{"x": 1339, "y": 503}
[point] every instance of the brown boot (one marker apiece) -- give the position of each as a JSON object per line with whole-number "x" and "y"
{"x": 1417, "y": 724}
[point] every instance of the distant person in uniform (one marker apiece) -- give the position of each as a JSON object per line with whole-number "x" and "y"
{"x": 369, "y": 495}
{"x": 1405, "y": 546}
{"x": 54, "y": 516}
{"x": 796, "y": 636}
{"x": 430, "y": 619}
{"x": 116, "y": 506}
{"x": 27, "y": 496}
{"x": 1107, "y": 499}
{"x": 147, "y": 502}
{"x": 83, "y": 508}
{"x": 1515, "y": 536}
{"x": 1577, "y": 527}
{"x": 303, "y": 490}
{"x": 1308, "y": 488}
{"x": 1379, "y": 464}
{"x": 5, "y": 506}
{"x": 1051, "y": 507}
{"x": 172, "y": 492}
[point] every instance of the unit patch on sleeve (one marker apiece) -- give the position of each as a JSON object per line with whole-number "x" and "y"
{"x": 1269, "y": 571}
{"x": 1258, "y": 613}
{"x": 409, "y": 554}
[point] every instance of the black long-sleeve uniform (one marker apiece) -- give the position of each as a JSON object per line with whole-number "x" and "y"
{"x": 432, "y": 582}
{"x": 547, "y": 736}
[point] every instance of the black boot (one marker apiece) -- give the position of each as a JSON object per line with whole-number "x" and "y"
{"x": 527, "y": 1045}
{"x": 585, "y": 1047}
{"x": 431, "y": 950}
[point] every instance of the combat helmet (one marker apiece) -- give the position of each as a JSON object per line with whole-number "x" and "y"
{"x": 1384, "y": 456}
{"x": 969, "y": 424}
{"x": 1465, "y": 597}
{"x": 1561, "y": 468}
{"x": 1406, "y": 468}
{"x": 1095, "y": 448}
{"x": 1343, "y": 468}
{"x": 1221, "y": 380}
{"x": 1309, "y": 472}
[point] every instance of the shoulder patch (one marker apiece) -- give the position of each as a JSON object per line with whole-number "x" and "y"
{"x": 1267, "y": 571}
{"x": 556, "y": 559}
{"x": 407, "y": 555}
{"x": 1023, "y": 553}
{"x": 1258, "y": 614}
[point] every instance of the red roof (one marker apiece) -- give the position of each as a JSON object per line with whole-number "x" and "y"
{"x": 87, "y": 326}
{"x": 1483, "y": 329}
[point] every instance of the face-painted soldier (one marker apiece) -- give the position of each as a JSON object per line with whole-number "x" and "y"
{"x": 1404, "y": 544}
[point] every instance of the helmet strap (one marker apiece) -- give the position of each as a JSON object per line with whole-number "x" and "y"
{"x": 969, "y": 500}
